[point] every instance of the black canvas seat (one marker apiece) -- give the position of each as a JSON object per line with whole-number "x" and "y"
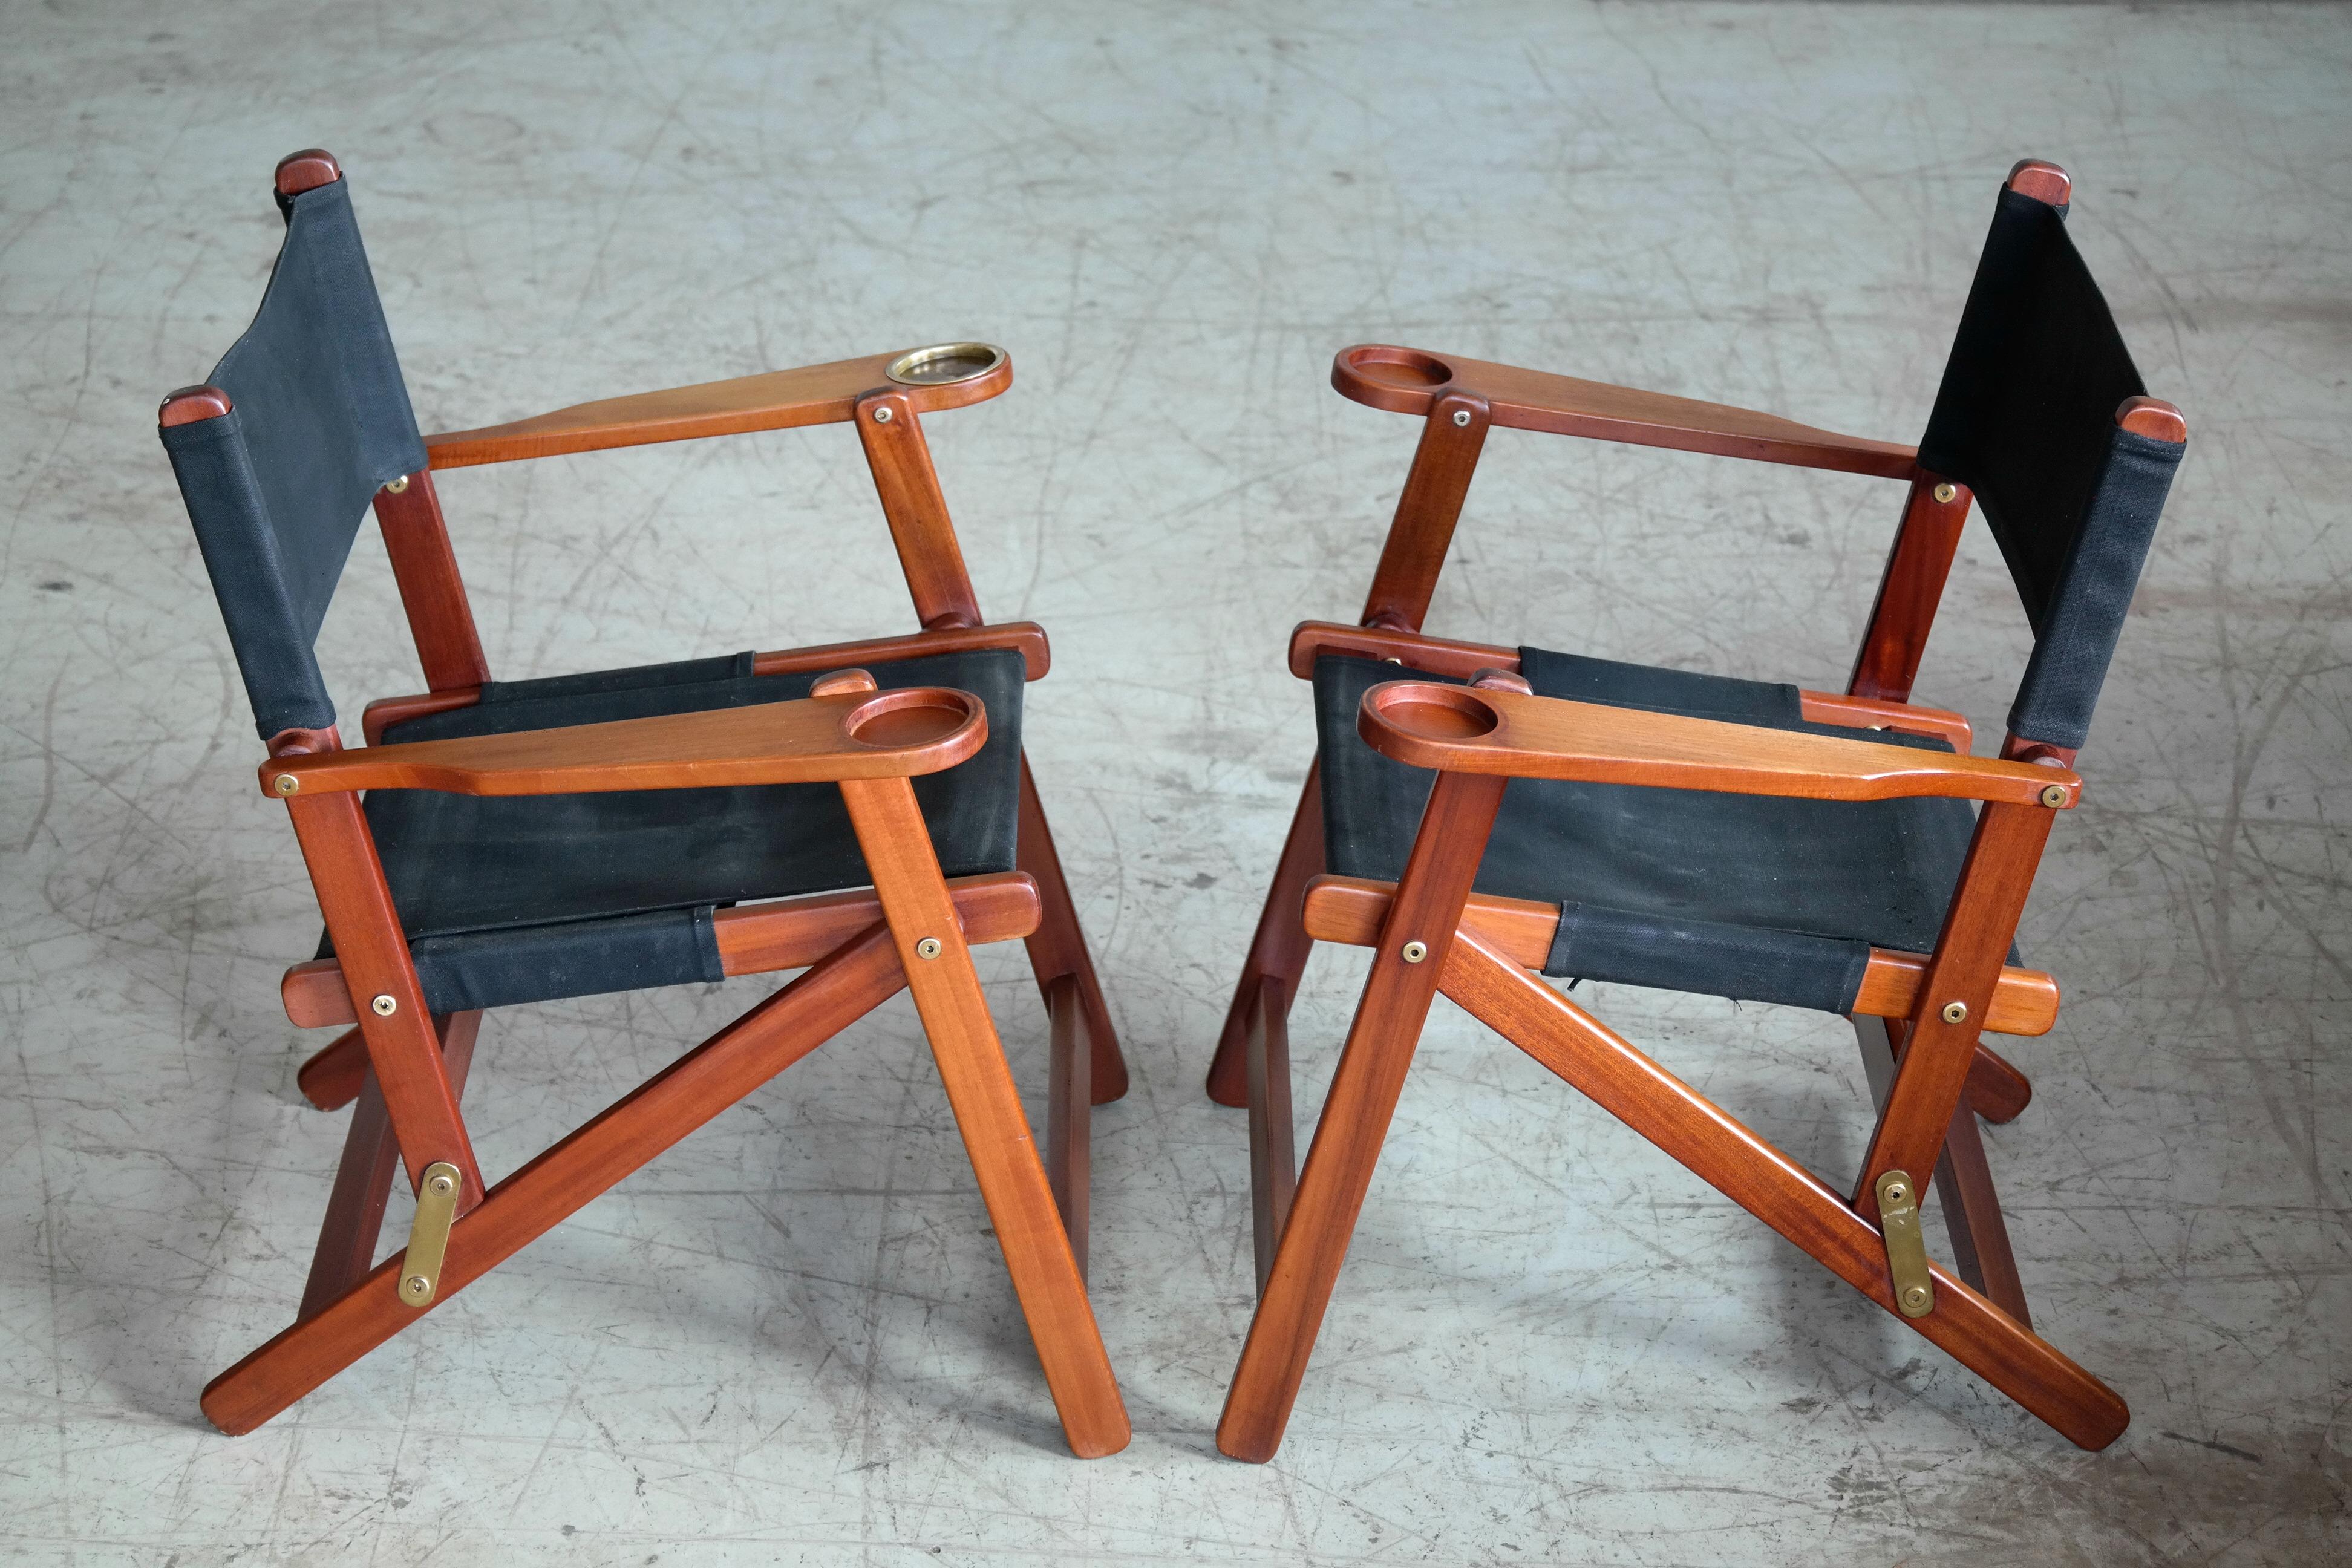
{"x": 511, "y": 900}
{"x": 1760, "y": 898}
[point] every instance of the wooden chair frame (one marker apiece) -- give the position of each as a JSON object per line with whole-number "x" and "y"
{"x": 405, "y": 1070}
{"x": 1918, "y": 1017}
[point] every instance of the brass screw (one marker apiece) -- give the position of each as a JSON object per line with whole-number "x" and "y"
{"x": 1462, "y": 418}
{"x": 928, "y": 948}
{"x": 1415, "y": 952}
{"x": 882, "y": 414}
{"x": 2055, "y": 795}
{"x": 1895, "y": 1193}
{"x": 286, "y": 783}
{"x": 1945, "y": 492}
{"x": 1956, "y": 1012}
{"x": 1915, "y": 1297}
{"x": 443, "y": 1182}
{"x": 396, "y": 486}
{"x": 416, "y": 1287}
{"x": 384, "y": 1006}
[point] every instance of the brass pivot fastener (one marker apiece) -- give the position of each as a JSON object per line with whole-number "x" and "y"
{"x": 1907, "y": 1245}
{"x": 1462, "y": 418}
{"x": 883, "y": 416}
{"x": 428, "y": 1233}
{"x": 385, "y": 1005}
{"x": 286, "y": 783}
{"x": 1945, "y": 492}
{"x": 1414, "y": 951}
{"x": 2054, "y": 795}
{"x": 1956, "y": 1012}
{"x": 396, "y": 487}
{"x": 928, "y": 948}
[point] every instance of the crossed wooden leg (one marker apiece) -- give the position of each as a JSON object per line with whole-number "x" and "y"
{"x": 1994, "y": 1343}
{"x": 1279, "y": 949}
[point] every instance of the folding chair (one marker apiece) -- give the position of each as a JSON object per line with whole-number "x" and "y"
{"x": 1698, "y": 833}
{"x": 525, "y": 841}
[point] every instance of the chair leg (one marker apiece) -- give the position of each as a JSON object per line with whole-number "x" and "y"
{"x": 1996, "y": 1090}
{"x": 330, "y": 1080}
{"x": 1981, "y": 1248}
{"x": 987, "y": 1105}
{"x": 1059, "y": 946}
{"x": 354, "y": 1221}
{"x": 1069, "y": 1151}
{"x": 857, "y": 977}
{"x": 1394, "y": 1006}
{"x": 1273, "y": 1167}
{"x": 1600, "y": 1065}
{"x": 1280, "y": 947}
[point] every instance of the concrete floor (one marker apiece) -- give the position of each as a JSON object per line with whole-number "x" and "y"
{"x": 791, "y": 1339}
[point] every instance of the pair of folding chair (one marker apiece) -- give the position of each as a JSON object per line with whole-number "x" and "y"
{"x": 862, "y": 812}
{"x": 1475, "y": 813}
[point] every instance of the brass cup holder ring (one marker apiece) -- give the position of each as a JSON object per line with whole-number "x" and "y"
{"x": 944, "y": 364}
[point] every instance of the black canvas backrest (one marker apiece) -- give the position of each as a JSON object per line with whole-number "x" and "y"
{"x": 2026, "y": 418}
{"x": 318, "y": 421}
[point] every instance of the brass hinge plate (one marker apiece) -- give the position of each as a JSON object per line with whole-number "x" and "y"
{"x": 428, "y": 1233}
{"x": 1907, "y": 1245}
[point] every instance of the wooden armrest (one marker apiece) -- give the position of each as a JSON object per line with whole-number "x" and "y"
{"x": 827, "y": 737}
{"x": 1426, "y": 655}
{"x": 1485, "y": 730}
{"x": 1407, "y": 380}
{"x": 780, "y": 400}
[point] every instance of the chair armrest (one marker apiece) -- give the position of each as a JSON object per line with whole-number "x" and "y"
{"x": 779, "y": 400}
{"x": 1485, "y": 730}
{"x": 1408, "y": 381}
{"x": 825, "y": 739}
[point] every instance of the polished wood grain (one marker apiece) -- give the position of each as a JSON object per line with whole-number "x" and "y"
{"x": 777, "y": 400}
{"x": 1996, "y": 1090}
{"x": 852, "y": 982}
{"x": 2153, "y": 417}
{"x": 1874, "y": 713}
{"x": 1070, "y": 1098}
{"x": 1409, "y": 381}
{"x": 1363, "y": 1096}
{"x": 1979, "y": 924}
{"x": 307, "y": 171}
{"x": 1451, "y": 437}
{"x": 315, "y": 997}
{"x": 1353, "y": 910}
{"x": 2044, "y": 180}
{"x": 987, "y": 1106}
{"x": 1057, "y": 945}
{"x": 1280, "y": 946}
{"x": 354, "y": 1219}
{"x": 894, "y": 734}
{"x": 1753, "y": 1173}
{"x": 401, "y": 1046}
{"x": 1507, "y": 733}
{"x": 1025, "y": 637}
{"x": 191, "y": 405}
{"x": 432, "y": 591}
{"x": 1274, "y": 1161}
{"x": 916, "y": 509}
{"x": 1895, "y": 637}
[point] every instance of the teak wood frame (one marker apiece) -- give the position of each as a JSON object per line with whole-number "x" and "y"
{"x": 405, "y": 1070}
{"x": 1918, "y": 1018}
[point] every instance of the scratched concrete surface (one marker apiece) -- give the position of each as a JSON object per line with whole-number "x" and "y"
{"x": 791, "y": 1339}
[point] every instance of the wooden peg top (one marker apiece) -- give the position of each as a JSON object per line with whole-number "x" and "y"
{"x": 2044, "y": 180}
{"x": 307, "y": 171}
{"x": 2153, "y": 417}
{"x": 191, "y": 405}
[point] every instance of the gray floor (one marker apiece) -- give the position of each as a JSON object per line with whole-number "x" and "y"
{"x": 791, "y": 1339}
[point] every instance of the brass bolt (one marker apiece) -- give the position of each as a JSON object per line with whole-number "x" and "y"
{"x": 1462, "y": 418}
{"x": 286, "y": 783}
{"x": 1895, "y": 1193}
{"x": 2055, "y": 795}
{"x": 1945, "y": 492}
{"x": 1415, "y": 952}
{"x": 396, "y": 486}
{"x": 928, "y": 948}
{"x": 443, "y": 1182}
{"x": 1956, "y": 1012}
{"x": 1915, "y": 1298}
{"x": 882, "y": 414}
{"x": 384, "y": 1006}
{"x": 416, "y": 1287}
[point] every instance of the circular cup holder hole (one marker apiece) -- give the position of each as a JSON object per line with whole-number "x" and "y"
{"x": 1437, "y": 712}
{"x": 1400, "y": 367}
{"x": 944, "y": 364}
{"x": 912, "y": 718}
